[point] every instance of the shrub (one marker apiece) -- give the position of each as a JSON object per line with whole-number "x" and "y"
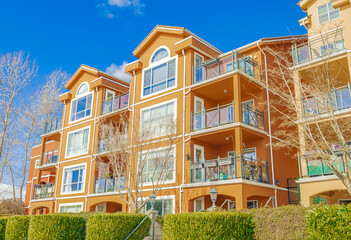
{"x": 56, "y": 226}
{"x": 12, "y": 207}
{"x": 116, "y": 226}
{"x": 17, "y": 227}
{"x": 203, "y": 225}
{"x": 286, "y": 222}
{"x": 3, "y": 221}
{"x": 329, "y": 222}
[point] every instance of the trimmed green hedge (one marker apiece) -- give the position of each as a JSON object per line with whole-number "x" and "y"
{"x": 17, "y": 228}
{"x": 286, "y": 222}
{"x": 203, "y": 225}
{"x": 3, "y": 221}
{"x": 329, "y": 222}
{"x": 116, "y": 226}
{"x": 56, "y": 226}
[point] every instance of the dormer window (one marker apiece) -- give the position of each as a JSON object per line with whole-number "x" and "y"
{"x": 161, "y": 74}
{"x": 81, "y": 106}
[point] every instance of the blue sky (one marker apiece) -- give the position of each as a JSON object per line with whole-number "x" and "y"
{"x": 100, "y": 33}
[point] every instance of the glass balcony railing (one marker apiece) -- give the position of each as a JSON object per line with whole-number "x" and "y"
{"x": 235, "y": 167}
{"x": 49, "y": 158}
{"x": 225, "y": 64}
{"x": 108, "y": 184}
{"x": 114, "y": 104}
{"x": 103, "y": 143}
{"x": 338, "y": 99}
{"x": 320, "y": 47}
{"x": 224, "y": 114}
{"x": 42, "y": 191}
{"x": 53, "y": 125}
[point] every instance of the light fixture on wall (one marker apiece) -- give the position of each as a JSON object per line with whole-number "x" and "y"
{"x": 152, "y": 200}
{"x": 213, "y": 195}
{"x": 225, "y": 91}
{"x": 188, "y": 157}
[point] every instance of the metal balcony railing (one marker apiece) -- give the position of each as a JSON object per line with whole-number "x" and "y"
{"x": 252, "y": 116}
{"x": 224, "y": 114}
{"x": 235, "y": 167}
{"x": 108, "y": 184}
{"x": 48, "y": 158}
{"x": 52, "y": 125}
{"x": 42, "y": 191}
{"x": 114, "y": 104}
{"x": 320, "y": 47}
{"x": 224, "y": 64}
{"x": 338, "y": 99}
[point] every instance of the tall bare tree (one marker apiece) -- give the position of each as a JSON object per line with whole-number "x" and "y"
{"x": 17, "y": 71}
{"x": 144, "y": 161}
{"x": 313, "y": 102}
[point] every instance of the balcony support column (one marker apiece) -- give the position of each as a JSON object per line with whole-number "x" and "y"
{"x": 238, "y": 152}
{"x": 237, "y": 98}
{"x": 349, "y": 62}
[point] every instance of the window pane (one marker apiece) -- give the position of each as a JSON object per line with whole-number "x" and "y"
{"x": 322, "y": 9}
{"x": 159, "y": 73}
{"x": 147, "y": 78}
{"x": 171, "y": 69}
{"x": 168, "y": 206}
{"x": 334, "y": 14}
{"x": 159, "y": 87}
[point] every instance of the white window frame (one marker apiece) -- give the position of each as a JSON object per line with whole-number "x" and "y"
{"x": 202, "y": 203}
{"x": 165, "y": 197}
{"x": 71, "y": 204}
{"x": 328, "y": 13}
{"x": 68, "y": 133}
{"x": 174, "y": 164}
{"x": 155, "y": 51}
{"x": 203, "y": 117}
{"x": 110, "y": 91}
{"x": 103, "y": 205}
{"x": 37, "y": 163}
{"x": 84, "y": 178}
{"x": 248, "y": 149}
{"x": 252, "y": 201}
{"x": 155, "y": 106}
{"x": 202, "y": 149}
{"x": 229, "y": 202}
{"x": 77, "y": 97}
{"x": 155, "y": 64}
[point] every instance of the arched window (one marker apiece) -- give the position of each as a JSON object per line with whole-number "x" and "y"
{"x": 84, "y": 88}
{"x": 159, "y": 54}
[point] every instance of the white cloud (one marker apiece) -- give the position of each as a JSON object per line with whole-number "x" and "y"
{"x": 136, "y": 5}
{"x": 6, "y": 191}
{"x": 118, "y": 71}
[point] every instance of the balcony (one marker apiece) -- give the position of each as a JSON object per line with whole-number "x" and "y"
{"x": 43, "y": 191}
{"x": 319, "y": 48}
{"x": 235, "y": 167}
{"x": 48, "y": 158}
{"x": 52, "y": 126}
{"x": 338, "y": 99}
{"x": 114, "y": 104}
{"x": 226, "y": 64}
{"x": 222, "y": 115}
{"x": 111, "y": 184}
{"x": 102, "y": 143}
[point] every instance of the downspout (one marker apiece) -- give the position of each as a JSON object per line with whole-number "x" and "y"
{"x": 59, "y": 156}
{"x": 183, "y": 171}
{"x": 269, "y": 125}
{"x": 92, "y": 146}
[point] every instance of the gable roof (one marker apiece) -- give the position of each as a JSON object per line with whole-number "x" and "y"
{"x": 170, "y": 29}
{"x": 95, "y": 71}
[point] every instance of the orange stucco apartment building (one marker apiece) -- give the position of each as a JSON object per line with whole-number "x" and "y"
{"x": 329, "y": 31}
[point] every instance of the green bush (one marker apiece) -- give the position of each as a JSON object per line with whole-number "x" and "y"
{"x": 106, "y": 226}
{"x": 203, "y": 225}
{"x": 329, "y": 222}
{"x": 56, "y": 226}
{"x": 17, "y": 227}
{"x": 3, "y": 221}
{"x": 287, "y": 222}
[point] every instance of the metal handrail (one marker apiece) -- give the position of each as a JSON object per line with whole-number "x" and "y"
{"x": 49, "y": 156}
{"x": 130, "y": 234}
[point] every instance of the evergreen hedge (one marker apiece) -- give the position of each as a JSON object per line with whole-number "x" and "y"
{"x": 17, "y": 228}
{"x": 116, "y": 226}
{"x": 57, "y": 227}
{"x": 203, "y": 225}
{"x": 3, "y": 221}
{"x": 329, "y": 222}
